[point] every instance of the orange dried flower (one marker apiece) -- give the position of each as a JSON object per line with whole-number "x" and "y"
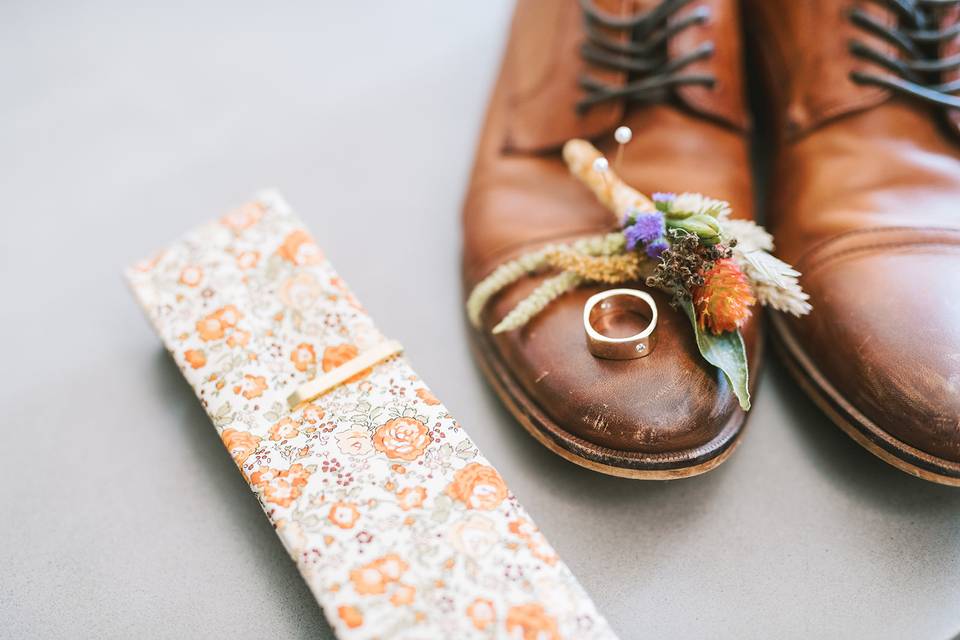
{"x": 723, "y": 302}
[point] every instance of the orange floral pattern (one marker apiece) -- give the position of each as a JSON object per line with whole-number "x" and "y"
{"x": 248, "y": 259}
{"x": 240, "y": 444}
{"x": 427, "y": 396}
{"x": 191, "y": 276}
{"x": 215, "y": 325}
{"x": 196, "y": 358}
{"x": 375, "y": 577}
{"x": 251, "y": 386}
{"x": 411, "y": 498}
{"x": 350, "y": 616}
{"x": 280, "y": 486}
{"x": 244, "y": 217}
{"x": 403, "y": 595}
{"x": 478, "y": 486}
{"x": 303, "y": 357}
{"x": 402, "y": 438}
{"x": 343, "y": 514}
{"x": 481, "y": 613}
{"x": 299, "y": 248}
{"x": 285, "y": 429}
{"x": 238, "y": 338}
{"x": 312, "y": 414}
{"x": 333, "y": 357}
{"x": 531, "y": 622}
{"x": 401, "y": 527}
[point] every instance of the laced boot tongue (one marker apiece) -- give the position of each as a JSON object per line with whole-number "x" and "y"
{"x": 926, "y": 58}
{"x": 950, "y": 50}
{"x": 593, "y": 60}
{"x": 687, "y": 52}
{"x": 643, "y": 55}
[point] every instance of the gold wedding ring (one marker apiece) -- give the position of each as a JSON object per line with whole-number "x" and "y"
{"x": 619, "y": 301}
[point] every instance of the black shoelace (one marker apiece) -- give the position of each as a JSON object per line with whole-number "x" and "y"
{"x": 642, "y": 56}
{"x": 919, "y": 36}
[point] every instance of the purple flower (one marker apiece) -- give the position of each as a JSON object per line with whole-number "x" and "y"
{"x": 655, "y": 248}
{"x": 647, "y": 228}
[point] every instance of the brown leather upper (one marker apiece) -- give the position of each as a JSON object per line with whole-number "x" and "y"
{"x": 866, "y": 202}
{"x": 521, "y": 196}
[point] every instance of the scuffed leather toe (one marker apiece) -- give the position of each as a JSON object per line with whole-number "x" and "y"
{"x": 893, "y": 359}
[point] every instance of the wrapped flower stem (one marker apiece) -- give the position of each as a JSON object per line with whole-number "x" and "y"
{"x": 609, "y": 188}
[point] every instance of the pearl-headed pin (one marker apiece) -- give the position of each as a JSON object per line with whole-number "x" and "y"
{"x": 622, "y": 135}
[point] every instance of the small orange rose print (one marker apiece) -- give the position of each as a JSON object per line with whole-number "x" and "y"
{"x": 475, "y": 535}
{"x": 191, "y": 276}
{"x": 481, "y": 613}
{"x": 229, "y": 315}
{"x": 214, "y": 326}
{"x": 195, "y": 357}
{"x": 354, "y": 442}
{"x": 301, "y": 291}
{"x": 402, "y": 438}
{"x": 333, "y": 357}
{"x": 350, "y": 616}
{"x": 478, "y": 486}
{"x": 240, "y": 444}
{"x": 541, "y": 549}
{"x": 411, "y": 497}
{"x": 343, "y": 514}
{"x": 243, "y": 217}
{"x": 299, "y": 248}
{"x": 252, "y": 386}
{"x": 286, "y": 429}
{"x": 210, "y": 328}
{"x": 521, "y": 527}
{"x": 239, "y": 338}
{"x": 427, "y": 397}
{"x": 248, "y": 259}
{"x": 303, "y": 356}
{"x": 391, "y": 566}
{"x": 280, "y": 487}
{"x": 368, "y": 580}
{"x": 532, "y": 623}
{"x": 312, "y": 414}
{"x": 403, "y": 595}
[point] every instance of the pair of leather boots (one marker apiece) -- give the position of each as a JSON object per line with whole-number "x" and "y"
{"x": 864, "y": 199}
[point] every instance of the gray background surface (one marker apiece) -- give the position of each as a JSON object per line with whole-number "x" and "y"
{"x": 120, "y": 513}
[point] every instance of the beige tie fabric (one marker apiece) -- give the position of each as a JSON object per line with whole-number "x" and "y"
{"x": 399, "y": 525}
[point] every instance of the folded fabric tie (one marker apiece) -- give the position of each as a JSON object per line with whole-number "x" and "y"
{"x": 401, "y": 528}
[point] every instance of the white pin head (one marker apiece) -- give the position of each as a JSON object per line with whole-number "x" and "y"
{"x": 623, "y": 135}
{"x": 600, "y": 165}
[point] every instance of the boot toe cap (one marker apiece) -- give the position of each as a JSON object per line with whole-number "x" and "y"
{"x": 885, "y": 336}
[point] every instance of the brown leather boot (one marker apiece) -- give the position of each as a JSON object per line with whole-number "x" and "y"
{"x": 678, "y": 84}
{"x": 866, "y": 203}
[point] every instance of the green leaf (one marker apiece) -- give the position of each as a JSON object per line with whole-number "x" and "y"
{"x": 726, "y": 352}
